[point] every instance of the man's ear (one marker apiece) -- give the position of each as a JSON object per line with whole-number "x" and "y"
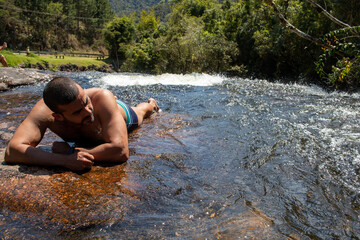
{"x": 58, "y": 116}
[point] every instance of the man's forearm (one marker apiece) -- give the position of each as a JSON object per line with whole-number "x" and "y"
{"x": 108, "y": 152}
{"x": 26, "y": 154}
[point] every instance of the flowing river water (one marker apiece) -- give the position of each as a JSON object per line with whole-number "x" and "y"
{"x": 226, "y": 159}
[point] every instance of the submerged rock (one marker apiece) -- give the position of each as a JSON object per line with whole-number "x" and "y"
{"x": 124, "y": 201}
{"x": 57, "y": 201}
{"x": 12, "y": 77}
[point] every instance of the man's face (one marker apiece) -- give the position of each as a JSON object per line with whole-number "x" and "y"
{"x": 80, "y": 111}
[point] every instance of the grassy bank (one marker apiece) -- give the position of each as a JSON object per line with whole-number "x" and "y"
{"x": 50, "y": 61}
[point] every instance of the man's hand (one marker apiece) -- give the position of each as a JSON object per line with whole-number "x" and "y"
{"x": 79, "y": 160}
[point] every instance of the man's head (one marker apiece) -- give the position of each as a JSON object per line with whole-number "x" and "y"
{"x": 68, "y": 101}
{"x": 60, "y": 91}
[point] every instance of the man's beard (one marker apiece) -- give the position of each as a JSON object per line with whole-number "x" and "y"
{"x": 88, "y": 120}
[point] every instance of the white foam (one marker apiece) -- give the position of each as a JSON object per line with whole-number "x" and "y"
{"x": 194, "y": 79}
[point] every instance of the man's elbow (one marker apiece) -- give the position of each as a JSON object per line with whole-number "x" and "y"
{"x": 15, "y": 153}
{"x": 8, "y": 157}
{"x": 122, "y": 154}
{"x": 125, "y": 155}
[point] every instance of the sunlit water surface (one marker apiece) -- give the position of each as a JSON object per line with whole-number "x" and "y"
{"x": 252, "y": 159}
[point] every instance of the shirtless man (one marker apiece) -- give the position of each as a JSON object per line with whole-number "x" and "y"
{"x": 92, "y": 118}
{"x": 2, "y": 58}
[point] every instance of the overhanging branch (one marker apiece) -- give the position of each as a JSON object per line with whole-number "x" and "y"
{"x": 300, "y": 33}
{"x": 332, "y": 18}
{"x": 327, "y": 14}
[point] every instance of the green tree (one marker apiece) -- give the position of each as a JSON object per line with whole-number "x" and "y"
{"x": 55, "y": 24}
{"x": 10, "y": 24}
{"x": 140, "y": 57}
{"x": 118, "y": 35}
{"x": 193, "y": 41}
{"x": 339, "y": 63}
{"x": 54, "y": 38}
{"x": 147, "y": 25}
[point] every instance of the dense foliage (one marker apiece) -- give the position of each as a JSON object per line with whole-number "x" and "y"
{"x": 317, "y": 39}
{"x": 53, "y": 24}
{"x": 126, "y": 7}
{"x": 246, "y": 36}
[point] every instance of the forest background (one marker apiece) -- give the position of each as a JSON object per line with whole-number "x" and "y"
{"x": 307, "y": 40}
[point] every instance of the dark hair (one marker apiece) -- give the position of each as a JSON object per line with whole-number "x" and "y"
{"x": 60, "y": 91}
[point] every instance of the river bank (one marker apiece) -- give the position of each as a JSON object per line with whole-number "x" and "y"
{"x": 27, "y": 70}
{"x": 57, "y": 63}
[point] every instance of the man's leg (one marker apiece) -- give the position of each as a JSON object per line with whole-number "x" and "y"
{"x": 144, "y": 110}
{"x": 3, "y": 61}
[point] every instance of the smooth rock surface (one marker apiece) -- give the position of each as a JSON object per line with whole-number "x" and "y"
{"x": 12, "y": 77}
{"x": 39, "y": 202}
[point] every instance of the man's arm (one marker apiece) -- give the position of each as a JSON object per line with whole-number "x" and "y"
{"x": 115, "y": 148}
{"x": 22, "y": 147}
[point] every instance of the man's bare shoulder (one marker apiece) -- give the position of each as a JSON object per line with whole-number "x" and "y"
{"x": 41, "y": 113}
{"x": 99, "y": 96}
{"x": 97, "y": 91}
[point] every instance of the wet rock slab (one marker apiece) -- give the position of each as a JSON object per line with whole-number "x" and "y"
{"x": 43, "y": 203}
{"x": 12, "y": 77}
{"x": 59, "y": 202}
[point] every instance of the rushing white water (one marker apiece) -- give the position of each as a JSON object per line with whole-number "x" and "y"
{"x": 128, "y": 79}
